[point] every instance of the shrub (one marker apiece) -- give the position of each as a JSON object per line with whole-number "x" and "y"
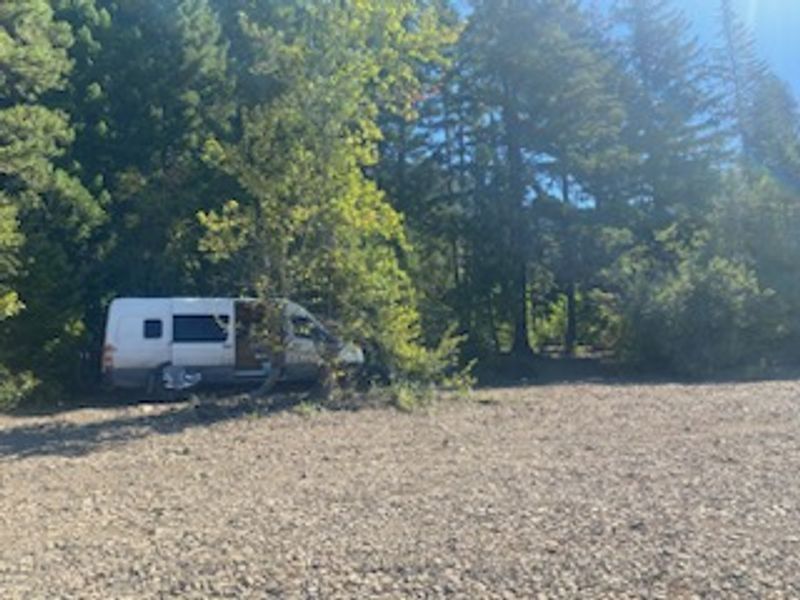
{"x": 14, "y": 388}
{"x": 706, "y": 314}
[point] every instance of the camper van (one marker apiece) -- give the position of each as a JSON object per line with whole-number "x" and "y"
{"x": 177, "y": 343}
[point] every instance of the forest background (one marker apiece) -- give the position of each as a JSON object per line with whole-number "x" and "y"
{"x": 447, "y": 182}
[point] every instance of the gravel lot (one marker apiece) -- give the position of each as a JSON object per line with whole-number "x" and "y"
{"x": 562, "y": 490}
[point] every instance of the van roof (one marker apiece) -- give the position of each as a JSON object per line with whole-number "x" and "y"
{"x": 183, "y": 298}
{"x": 161, "y": 300}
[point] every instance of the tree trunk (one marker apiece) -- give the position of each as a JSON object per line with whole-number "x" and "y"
{"x": 515, "y": 214}
{"x": 521, "y": 346}
{"x": 493, "y": 323}
{"x": 571, "y": 336}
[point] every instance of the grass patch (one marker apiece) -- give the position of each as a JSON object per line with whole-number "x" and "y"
{"x": 409, "y": 397}
{"x": 307, "y": 409}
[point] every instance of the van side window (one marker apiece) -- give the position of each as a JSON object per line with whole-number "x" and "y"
{"x": 153, "y": 329}
{"x": 303, "y": 327}
{"x": 200, "y": 328}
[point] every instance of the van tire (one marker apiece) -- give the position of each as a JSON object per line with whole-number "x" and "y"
{"x": 153, "y": 383}
{"x": 276, "y": 375}
{"x": 155, "y": 391}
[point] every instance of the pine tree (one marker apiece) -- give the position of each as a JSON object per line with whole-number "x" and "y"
{"x": 54, "y": 211}
{"x": 739, "y": 72}
{"x": 760, "y": 108}
{"x": 421, "y": 170}
{"x": 669, "y": 102}
{"x": 774, "y": 142}
{"x": 142, "y": 126}
{"x": 10, "y": 241}
{"x": 540, "y": 73}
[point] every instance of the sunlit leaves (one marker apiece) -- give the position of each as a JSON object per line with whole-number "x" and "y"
{"x": 33, "y": 50}
{"x": 322, "y": 230}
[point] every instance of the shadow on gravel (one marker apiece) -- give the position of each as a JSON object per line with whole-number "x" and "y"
{"x": 57, "y": 437}
{"x": 60, "y": 438}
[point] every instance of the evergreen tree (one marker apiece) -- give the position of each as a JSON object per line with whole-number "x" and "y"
{"x": 539, "y": 73}
{"x": 403, "y": 166}
{"x": 144, "y": 124}
{"x": 308, "y": 217}
{"x": 774, "y": 143}
{"x": 424, "y": 181}
{"x": 55, "y": 212}
{"x": 760, "y": 108}
{"x": 739, "y": 72}
{"x": 670, "y": 127}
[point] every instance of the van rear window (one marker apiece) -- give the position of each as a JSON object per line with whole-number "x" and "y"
{"x": 200, "y": 328}
{"x": 153, "y": 329}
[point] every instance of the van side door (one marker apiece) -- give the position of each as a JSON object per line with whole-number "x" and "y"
{"x": 202, "y": 334}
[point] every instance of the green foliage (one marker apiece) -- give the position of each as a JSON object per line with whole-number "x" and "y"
{"x": 739, "y": 73}
{"x": 703, "y": 314}
{"x": 10, "y": 241}
{"x": 598, "y": 322}
{"x": 309, "y": 218}
{"x": 306, "y": 409}
{"x": 442, "y": 185}
{"x": 33, "y": 50}
{"x": 774, "y": 125}
{"x": 538, "y": 85}
{"x": 669, "y": 95}
{"x": 409, "y": 396}
{"x": 756, "y": 220}
{"x": 14, "y": 389}
{"x": 47, "y": 215}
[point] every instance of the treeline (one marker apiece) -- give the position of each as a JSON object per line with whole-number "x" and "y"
{"x": 497, "y": 178}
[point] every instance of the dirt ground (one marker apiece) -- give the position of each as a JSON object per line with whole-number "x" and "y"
{"x": 553, "y": 491}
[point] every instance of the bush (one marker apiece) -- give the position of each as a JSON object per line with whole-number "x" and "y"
{"x": 14, "y": 389}
{"x": 757, "y": 219}
{"x": 705, "y": 315}
{"x": 597, "y": 322}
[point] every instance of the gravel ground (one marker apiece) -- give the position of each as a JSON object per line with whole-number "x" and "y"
{"x": 557, "y": 491}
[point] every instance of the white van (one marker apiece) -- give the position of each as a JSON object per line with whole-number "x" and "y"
{"x": 180, "y": 342}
